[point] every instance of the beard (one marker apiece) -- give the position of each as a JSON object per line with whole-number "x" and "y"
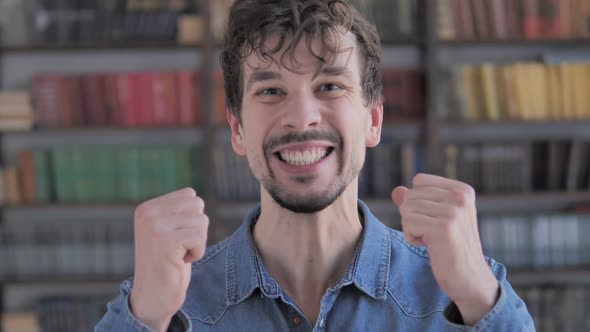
{"x": 308, "y": 203}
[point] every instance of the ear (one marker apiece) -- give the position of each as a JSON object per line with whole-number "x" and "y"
{"x": 374, "y": 123}
{"x": 237, "y": 133}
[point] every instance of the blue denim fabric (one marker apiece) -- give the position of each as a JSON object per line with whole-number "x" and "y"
{"x": 389, "y": 286}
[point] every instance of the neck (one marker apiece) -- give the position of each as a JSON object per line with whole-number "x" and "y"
{"x": 308, "y": 253}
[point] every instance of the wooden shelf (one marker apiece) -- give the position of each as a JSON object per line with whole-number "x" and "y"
{"x": 410, "y": 131}
{"x": 489, "y": 204}
{"x": 12, "y": 142}
{"x": 516, "y": 42}
{"x": 460, "y": 52}
{"x": 507, "y": 203}
{"x": 553, "y": 277}
{"x": 74, "y": 213}
{"x": 515, "y": 131}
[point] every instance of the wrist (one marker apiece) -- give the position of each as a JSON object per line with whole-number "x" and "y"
{"x": 474, "y": 308}
{"x": 159, "y": 324}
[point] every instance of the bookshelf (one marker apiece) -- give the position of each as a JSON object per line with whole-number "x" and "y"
{"x": 18, "y": 64}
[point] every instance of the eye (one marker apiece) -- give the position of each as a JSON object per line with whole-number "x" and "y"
{"x": 269, "y": 92}
{"x": 329, "y": 87}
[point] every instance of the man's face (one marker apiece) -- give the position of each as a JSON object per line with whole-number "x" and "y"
{"x": 304, "y": 132}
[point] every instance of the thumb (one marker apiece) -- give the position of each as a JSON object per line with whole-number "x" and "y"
{"x": 398, "y": 194}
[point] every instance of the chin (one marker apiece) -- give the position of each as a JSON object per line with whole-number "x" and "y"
{"x": 307, "y": 205}
{"x": 305, "y": 202}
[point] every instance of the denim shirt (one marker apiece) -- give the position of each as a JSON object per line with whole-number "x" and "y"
{"x": 388, "y": 286}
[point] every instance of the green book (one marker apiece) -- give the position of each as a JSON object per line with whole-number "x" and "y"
{"x": 77, "y": 176}
{"x": 127, "y": 174}
{"x": 169, "y": 169}
{"x": 42, "y": 176}
{"x": 183, "y": 168}
{"x": 197, "y": 167}
{"x": 57, "y": 159}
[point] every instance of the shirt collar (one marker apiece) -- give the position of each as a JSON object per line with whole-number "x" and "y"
{"x": 369, "y": 270}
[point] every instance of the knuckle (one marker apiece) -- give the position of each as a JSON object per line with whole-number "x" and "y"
{"x": 417, "y": 179}
{"x": 188, "y": 191}
{"x": 467, "y": 191}
{"x": 199, "y": 203}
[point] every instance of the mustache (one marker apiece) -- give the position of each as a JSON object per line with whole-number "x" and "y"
{"x": 330, "y": 136}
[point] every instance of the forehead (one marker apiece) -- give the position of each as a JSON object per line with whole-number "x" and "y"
{"x": 300, "y": 59}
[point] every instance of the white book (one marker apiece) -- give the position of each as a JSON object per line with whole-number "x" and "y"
{"x": 541, "y": 241}
{"x": 573, "y": 249}
{"x": 558, "y": 240}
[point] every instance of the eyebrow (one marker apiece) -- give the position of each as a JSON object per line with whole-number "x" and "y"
{"x": 335, "y": 71}
{"x": 260, "y": 76}
{"x": 267, "y": 75}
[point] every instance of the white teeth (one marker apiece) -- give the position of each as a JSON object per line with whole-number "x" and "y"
{"x": 304, "y": 158}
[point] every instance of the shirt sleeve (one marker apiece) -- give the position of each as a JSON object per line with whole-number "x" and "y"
{"x": 119, "y": 317}
{"x": 508, "y": 314}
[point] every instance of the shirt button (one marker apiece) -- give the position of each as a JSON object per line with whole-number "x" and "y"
{"x": 296, "y": 320}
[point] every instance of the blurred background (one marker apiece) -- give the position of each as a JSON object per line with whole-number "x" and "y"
{"x": 106, "y": 104}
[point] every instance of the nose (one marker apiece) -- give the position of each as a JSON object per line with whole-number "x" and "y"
{"x": 302, "y": 113}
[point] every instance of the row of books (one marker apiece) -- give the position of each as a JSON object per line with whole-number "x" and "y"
{"x": 518, "y": 91}
{"x": 520, "y": 167}
{"x": 108, "y": 174}
{"x": 165, "y": 99}
{"x": 58, "y": 314}
{"x": 16, "y": 110}
{"x": 541, "y": 241}
{"x": 513, "y": 19}
{"x": 74, "y": 22}
{"x": 104, "y": 174}
{"x": 136, "y": 173}
{"x": 562, "y": 309}
{"x": 63, "y": 248}
{"x": 124, "y": 99}
{"x": 395, "y": 19}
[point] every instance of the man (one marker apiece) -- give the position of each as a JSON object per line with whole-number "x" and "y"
{"x": 304, "y": 102}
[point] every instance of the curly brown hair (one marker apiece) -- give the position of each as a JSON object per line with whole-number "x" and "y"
{"x": 251, "y": 22}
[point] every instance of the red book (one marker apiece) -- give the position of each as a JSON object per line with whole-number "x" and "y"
{"x": 132, "y": 117}
{"x": 531, "y": 19}
{"x": 415, "y": 93}
{"x": 498, "y": 19}
{"x": 46, "y": 95}
{"x": 395, "y": 93}
{"x": 513, "y": 10}
{"x": 127, "y": 119}
{"x": 144, "y": 94}
{"x": 75, "y": 101}
{"x": 565, "y": 18}
{"x": 457, "y": 18}
{"x": 467, "y": 23}
{"x": 26, "y": 176}
{"x": 219, "y": 108}
{"x": 480, "y": 15}
{"x": 94, "y": 98}
{"x": 113, "y": 108}
{"x": 551, "y": 25}
{"x": 188, "y": 98}
{"x": 65, "y": 103}
{"x": 166, "y": 111}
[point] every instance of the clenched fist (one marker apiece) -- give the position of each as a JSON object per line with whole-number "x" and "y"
{"x": 440, "y": 214}
{"x": 170, "y": 234}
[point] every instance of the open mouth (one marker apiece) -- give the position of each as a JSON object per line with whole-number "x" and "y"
{"x": 303, "y": 158}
